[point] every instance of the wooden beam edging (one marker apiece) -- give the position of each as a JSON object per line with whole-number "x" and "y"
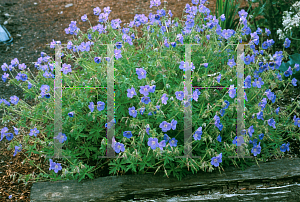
{"x": 126, "y": 187}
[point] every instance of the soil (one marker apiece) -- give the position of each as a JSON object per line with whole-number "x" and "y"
{"x": 35, "y": 23}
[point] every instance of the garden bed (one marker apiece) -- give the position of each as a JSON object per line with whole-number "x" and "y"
{"x": 9, "y": 164}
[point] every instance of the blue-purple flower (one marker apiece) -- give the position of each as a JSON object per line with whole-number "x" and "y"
{"x": 227, "y": 104}
{"x": 267, "y": 31}
{"x": 197, "y": 134}
{"x": 232, "y": 91}
{"x": 222, "y": 17}
{"x": 287, "y": 43}
{"x": 14, "y": 100}
{"x": 219, "y": 138}
{"x": 256, "y": 149}
{"x": 154, "y": 3}
{"x": 179, "y": 38}
{"x": 196, "y": 94}
{"x": 164, "y": 98}
{"x": 173, "y": 142}
{"x": 222, "y": 112}
{"x": 131, "y": 92}
{"x": 279, "y": 77}
{"x": 247, "y": 59}
{"x": 285, "y": 147}
{"x": 71, "y": 114}
{"x": 263, "y": 103}
{"x": 145, "y": 90}
{"x": 9, "y": 136}
{"x": 248, "y": 82}
{"x": 34, "y": 132}
{"x": 219, "y": 78}
{"x": 296, "y": 121}
{"x": 107, "y": 10}
{"x": 66, "y": 68}
{"x": 146, "y": 100}
{"x": 166, "y": 138}
{"x": 261, "y": 136}
{"x": 238, "y": 140}
{"x": 153, "y": 143}
{"x": 288, "y": 72}
{"x": 250, "y": 130}
{"x": 117, "y": 54}
{"x": 127, "y": 134}
{"x": 162, "y": 144}
{"x": 141, "y": 73}
{"x": 260, "y": 115}
{"x": 97, "y": 60}
{"x": 242, "y": 13}
{"x": 173, "y": 124}
{"x": 182, "y": 64}
{"x": 227, "y": 33}
{"x": 119, "y": 45}
{"x": 231, "y": 62}
{"x": 91, "y": 106}
{"x": 132, "y": 112}
{"x": 294, "y": 82}
{"x": 216, "y": 160}
{"x": 179, "y": 95}
{"x": 97, "y": 11}
{"x": 119, "y": 147}
{"x": 61, "y": 137}
{"x": 165, "y": 126}
{"x": 16, "y": 130}
{"x": 5, "y": 76}
{"x": 55, "y": 166}
{"x": 272, "y": 123}
{"x": 100, "y": 105}
{"x": 17, "y": 149}
{"x": 84, "y": 17}
{"x": 257, "y": 83}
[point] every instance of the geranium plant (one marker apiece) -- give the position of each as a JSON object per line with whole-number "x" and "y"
{"x": 150, "y": 97}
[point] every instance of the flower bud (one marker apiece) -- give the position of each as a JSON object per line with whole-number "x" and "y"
{"x": 64, "y": 173}
{"x": 76, "y": 169}
{"x": 82, "y": 166}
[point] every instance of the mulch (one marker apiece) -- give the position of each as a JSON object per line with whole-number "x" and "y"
{"x": 33, "y": 24}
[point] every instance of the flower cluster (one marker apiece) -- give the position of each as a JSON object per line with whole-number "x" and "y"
{"x": 290, "y": 20}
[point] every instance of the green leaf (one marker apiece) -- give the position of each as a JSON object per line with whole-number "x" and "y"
{"x": 87, "y": 153}
{"x": 81, "y": 178}
{"x": 90, "y": 175}
{"x": 141, "y": 166}
{"x": 295, "y": 58}
{"x": 113, "y": 170}
{"x": 35, "y": 152}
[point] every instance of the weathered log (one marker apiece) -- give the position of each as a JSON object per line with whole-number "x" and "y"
{"x": 126, "y": 187}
